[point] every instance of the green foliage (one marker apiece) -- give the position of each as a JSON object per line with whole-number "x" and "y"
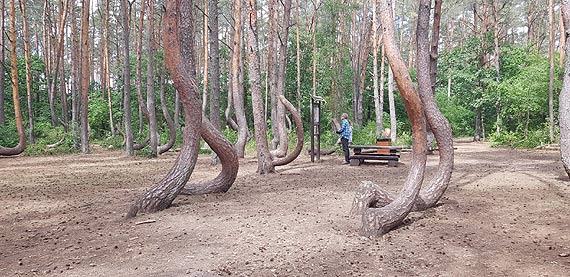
{"x": 50, "y": 140}
{"x": 98, "y": 117}
{"x": 461, "y": 118}
{"x": 8, "y": 134}
{"x": 530, "y": 139}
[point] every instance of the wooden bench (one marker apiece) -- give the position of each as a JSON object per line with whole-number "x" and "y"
{"x": 375, "y": 152}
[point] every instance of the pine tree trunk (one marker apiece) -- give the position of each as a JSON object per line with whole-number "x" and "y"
{"x": 238, "y": 94}
{"x": 63, "y": 92}
{"x": 564, "y": 98}
{"x": 150, "y": 101}
{"x": 431, "y": 193}
{"x": 47, "y": 60}
{"x": 178, "y": 22}
{"x": 377, "y": 107}
{"x": 76, "y": 76}
{"x": 272, "y": 69}
{"x": 58, "y": 59}
{"x": 391, "y": 103}
{"x": 14, "y": 72}
{"x": 281, "y": 74}
{"x": 28, "y": 71}
{"x": 551, "y": 49}
{"x": 214, "y": 70}
{"x": 84, "y": 77}
{"x": 365, "y": 45}
{"x": 107, "y": 73}
{"x": 298, "y": 48}
{"x": 176, "y": 110}
{"x": 167, "y": 118}
{"x": 127, "y": 79}
{"x": 214, "y": 65}
{"x": 377, "y": 221}
{"x": 205, "y": 40}
{"x": 478, "y": 125}
{"x": 2, "y": 69}
{"x": 143, "y": 110}
{"x": 562, "y": 41}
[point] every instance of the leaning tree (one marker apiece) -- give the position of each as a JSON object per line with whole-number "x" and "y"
{"x": 178, "y": 49}
{"x": 564, "y": 98}
{"x": 14, "y": 72}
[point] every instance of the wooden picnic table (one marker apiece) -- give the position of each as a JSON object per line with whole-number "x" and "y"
{"x": 361, "y": 154}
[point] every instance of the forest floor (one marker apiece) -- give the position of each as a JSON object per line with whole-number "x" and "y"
{"x": 506, "y": 212}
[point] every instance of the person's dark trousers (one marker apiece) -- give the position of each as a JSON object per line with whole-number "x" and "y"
{"x": 344, "y": 143}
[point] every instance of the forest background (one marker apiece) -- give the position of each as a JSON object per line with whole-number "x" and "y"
{"x": 499, "y": 70}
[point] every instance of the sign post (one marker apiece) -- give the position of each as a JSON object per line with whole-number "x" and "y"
{"x": 316, "y": 126}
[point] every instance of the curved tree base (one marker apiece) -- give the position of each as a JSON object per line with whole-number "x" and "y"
{"x": 300, "y": 134}
{"x": 161, "y": 195}
{"x": 17, "y": 150}
{"x": 378, "y": 221}
{"x": 140, "y": 146}
{"x": 228, "y": 157}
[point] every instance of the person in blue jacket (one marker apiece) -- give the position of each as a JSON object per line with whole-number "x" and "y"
{"x": 345, "y": 132}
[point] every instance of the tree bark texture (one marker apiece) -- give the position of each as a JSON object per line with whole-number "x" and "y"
{"x": 272, "y": 69}
{"x": 28, "y": 72}
{"x": 84, "y": 77}
{"x": 440, "y": 126}
{"x": 264, "y": 160}
{"x": 265, "y": 163}
{"x": 214, "y": 65}
{"x": 434, "y": 48}
{"x": 127, "y": 79}
{"x": 213, "y": 71}
{"x": 281, "y": 74}
{"x": 551, "y": 48}
{"x": 166, "y": 113}
{"x": 377, "y": 108}
{"x": 300, "y": 134}
{"x": 238, "y": 94}
{"x": 378, "y": 221}
{"x": 2, "y": 68}
{"x": 391, "y": 103}
{"x": 58, "y": 58}
{"x": 564, "y": 98}
{"x": 76, "y": 77}
{"x": 150, "y": 99}
{"x": 142, "y": 104}
{"x": 205, "y": 56}
{"x": 14, "y": 72}
{"x": 107, "y": 72}
{"x": 178, "y": 46}
{"x": 228, "y": 157}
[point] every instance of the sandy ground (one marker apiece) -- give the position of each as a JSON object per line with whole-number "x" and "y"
{"x": 505, "y": 213}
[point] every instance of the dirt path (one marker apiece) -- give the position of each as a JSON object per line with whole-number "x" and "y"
{"x": 505, "y": 213}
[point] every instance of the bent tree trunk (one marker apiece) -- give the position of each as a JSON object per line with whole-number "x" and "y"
{"x": 441, "y": 128}
{"x": 265, "y": 163}
{"x": 178, "y": 54}
{"x": 380, "y": 220}
{"x": 228, "y": 157}
{"x": 14, "y": 72}
{"x": 300, "y": 134}
{"x": 564, "y": 98}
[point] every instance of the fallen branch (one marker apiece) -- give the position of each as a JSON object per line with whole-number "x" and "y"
{"x": 49, "y": 146}
{"x": 146, "y": 221}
